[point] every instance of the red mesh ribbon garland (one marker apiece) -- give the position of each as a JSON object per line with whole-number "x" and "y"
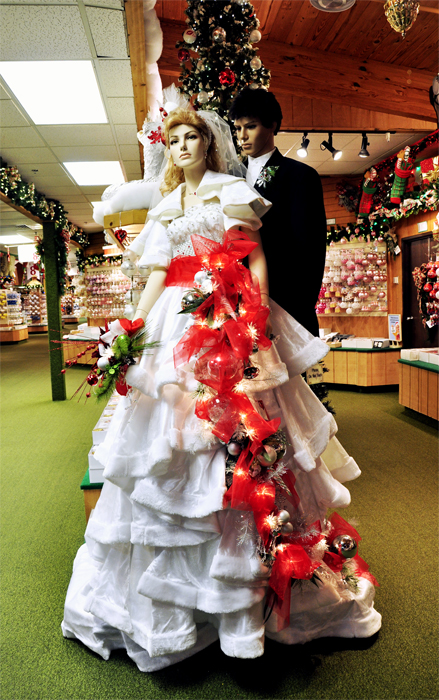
{"x": 219, "y": 368}
{"x": 341, "y": 527}
{"x": 336, "y": 561}
{"x": 292, "y": 562}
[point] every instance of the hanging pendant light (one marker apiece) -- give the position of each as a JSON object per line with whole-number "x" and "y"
{"x": 401, "y": 14}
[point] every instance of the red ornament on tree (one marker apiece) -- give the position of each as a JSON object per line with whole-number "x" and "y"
{"x": 227, "y": 77}
{"x": 183, "y": 55}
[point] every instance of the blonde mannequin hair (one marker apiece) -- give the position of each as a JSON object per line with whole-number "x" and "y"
{"x": 174, "y": 175}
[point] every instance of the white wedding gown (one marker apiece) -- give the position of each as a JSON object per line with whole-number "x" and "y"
{"x": 165, "y": 570}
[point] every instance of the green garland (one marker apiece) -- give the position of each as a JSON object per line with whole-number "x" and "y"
{"x": 97, "y": 260}
{"x": 377, "y": 226}
{"x": 25, "y": 195}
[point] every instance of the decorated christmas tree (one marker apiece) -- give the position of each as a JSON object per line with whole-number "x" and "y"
{"x": 222, "y": 34}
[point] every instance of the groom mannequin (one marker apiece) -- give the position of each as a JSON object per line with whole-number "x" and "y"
{"x": 294, "y": 230}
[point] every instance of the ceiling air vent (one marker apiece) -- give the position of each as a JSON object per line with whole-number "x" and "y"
{"x": 332, "y": 5}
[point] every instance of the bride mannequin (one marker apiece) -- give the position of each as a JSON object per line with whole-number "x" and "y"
{"x": 188, "y": 150}
{"x": 167, "y": 568}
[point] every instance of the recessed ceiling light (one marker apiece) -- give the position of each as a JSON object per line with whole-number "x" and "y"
{"x": 14, "y": 239}
{"x": 106, "y": 172}
{"x": 73, "y": 96}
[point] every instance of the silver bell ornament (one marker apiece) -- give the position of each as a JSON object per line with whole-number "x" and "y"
{"x": 345, "y": 545}
{"x": 219, "y": 35}
{"x": 128, "y": 268}
{"x": 234, "y": 448}
{"x": 190, "y": 298}
{"x": 267, "y": 457}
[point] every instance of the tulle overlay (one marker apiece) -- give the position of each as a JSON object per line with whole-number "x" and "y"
{"x": 166, "y": 569}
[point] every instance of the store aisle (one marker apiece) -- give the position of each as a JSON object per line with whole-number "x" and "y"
{"x": 44, "y": 448}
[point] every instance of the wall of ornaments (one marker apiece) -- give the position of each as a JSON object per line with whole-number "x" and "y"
{"x": 354, "y": 281}
{"x": 35, "y": 310}
{"x": 101, "y": 293}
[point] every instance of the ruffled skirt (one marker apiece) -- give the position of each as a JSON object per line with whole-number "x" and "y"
{"x": 165, "y": 570}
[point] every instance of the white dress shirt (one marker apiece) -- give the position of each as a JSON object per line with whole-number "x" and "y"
{"x": 255, "y": 165}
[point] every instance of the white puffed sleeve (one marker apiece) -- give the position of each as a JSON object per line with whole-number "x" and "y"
{"x": 242, "y": 206}
{"x": 152, "y": 245}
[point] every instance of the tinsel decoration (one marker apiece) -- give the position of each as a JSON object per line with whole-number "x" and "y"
{"x": 223, "y": 58}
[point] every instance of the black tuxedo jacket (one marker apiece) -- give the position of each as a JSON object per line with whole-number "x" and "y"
{"x": 294, "y": 238}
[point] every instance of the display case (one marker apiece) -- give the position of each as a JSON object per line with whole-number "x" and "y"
{"x": 35, "y": 310}
{"x": 12, "y": 325}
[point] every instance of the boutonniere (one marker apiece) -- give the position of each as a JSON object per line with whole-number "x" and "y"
{"x": 266, "y": 175}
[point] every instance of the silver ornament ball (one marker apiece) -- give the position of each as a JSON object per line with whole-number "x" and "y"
{"x": 283, "y": 517}
{"x": 268, "y": 456}
{"x": 219, "y": 35}
{"x": 287, "y": 529}
{"x": 144, "y": 270}
{"x": 190, "y": 298}
{"x": 200, "y": 277}
{"x": 128, "y": 268}
{"x": 255, "y": 36}
{"x": 345, "y": 545}
{"x": 202, "y": 97}
{"x": 234, "y": 448}
{"x": 255, "y": 63}
{"x": 129, "y": 311}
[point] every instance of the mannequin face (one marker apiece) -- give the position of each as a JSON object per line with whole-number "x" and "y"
{"x": 254, "y": 138}
{"x": 186, "y": 146}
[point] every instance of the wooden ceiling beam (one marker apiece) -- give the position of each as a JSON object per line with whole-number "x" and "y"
{"x": 322, "y": 75}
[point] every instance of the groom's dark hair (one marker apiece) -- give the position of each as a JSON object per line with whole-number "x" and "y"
{"x": 256, "y": 103}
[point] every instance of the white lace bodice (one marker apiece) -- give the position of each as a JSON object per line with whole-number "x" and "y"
{"x": 206, "y": 220}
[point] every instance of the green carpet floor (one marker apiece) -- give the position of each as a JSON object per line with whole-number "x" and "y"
{"x": 394, "y": 503}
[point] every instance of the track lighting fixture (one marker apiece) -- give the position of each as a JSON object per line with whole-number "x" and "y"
{"x": 302, "y": 152}
{"x": 327, "y": 145}
{"x": 364, "y": 153}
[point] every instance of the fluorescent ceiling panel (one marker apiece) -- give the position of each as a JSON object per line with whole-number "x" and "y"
{"x": 14, "y": 239}
{"x": 73, "y": 97}
{"x": 106, "y": 172}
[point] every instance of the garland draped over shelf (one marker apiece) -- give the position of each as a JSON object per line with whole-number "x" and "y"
{"x": 379, "y": 224}
{"x": 96, "y": 260}
{"x": 25, "y": 195}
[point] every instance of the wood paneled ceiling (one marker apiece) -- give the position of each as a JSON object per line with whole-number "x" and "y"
{"x": 341, "y": 71}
